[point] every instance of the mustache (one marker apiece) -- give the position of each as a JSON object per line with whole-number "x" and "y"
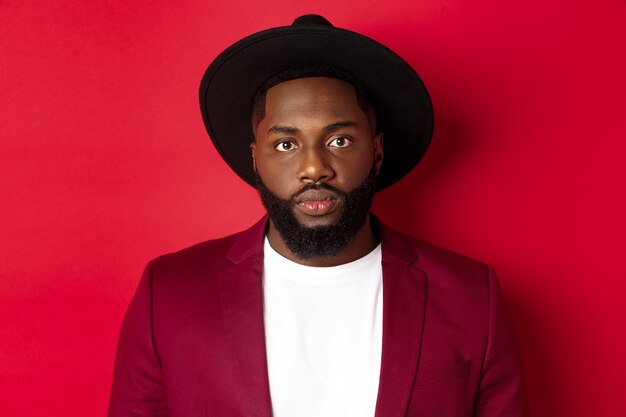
{"x": 317, "y": 186}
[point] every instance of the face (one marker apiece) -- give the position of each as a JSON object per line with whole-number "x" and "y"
{"x": 316, "y": 153}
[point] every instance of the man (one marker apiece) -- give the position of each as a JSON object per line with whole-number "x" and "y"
{"x": 319, "y": 310}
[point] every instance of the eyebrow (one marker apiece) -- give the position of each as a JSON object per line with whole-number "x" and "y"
{"x": 278, "y": 129}
{"x": 339, "y": 125}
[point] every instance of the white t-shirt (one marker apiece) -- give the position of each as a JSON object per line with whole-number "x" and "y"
{"x": 323, "y": 330}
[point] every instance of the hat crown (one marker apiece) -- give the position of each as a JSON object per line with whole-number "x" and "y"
{"x": 311, "y": 19}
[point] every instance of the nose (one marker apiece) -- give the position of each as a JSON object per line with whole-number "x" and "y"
{"x": 315, "y": 166}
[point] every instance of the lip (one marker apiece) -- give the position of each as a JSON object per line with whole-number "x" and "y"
{"x": 317, "y": 202}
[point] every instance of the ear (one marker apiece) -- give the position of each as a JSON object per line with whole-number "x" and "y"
{"x": 378, "y": 151}
{"x": 253, "y": 149}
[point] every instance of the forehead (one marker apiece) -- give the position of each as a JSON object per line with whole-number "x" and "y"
{"x": 321, "y": 85}
{"x": 309, "y": 95}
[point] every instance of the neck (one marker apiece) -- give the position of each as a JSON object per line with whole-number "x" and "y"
{"x": 361, "y": 244}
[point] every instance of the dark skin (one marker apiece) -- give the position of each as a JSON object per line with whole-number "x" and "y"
{"x": 315, "y": 131}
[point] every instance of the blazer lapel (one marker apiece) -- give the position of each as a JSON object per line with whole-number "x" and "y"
{"x": 241, "y": 295}
{"x": 404, "y": 300}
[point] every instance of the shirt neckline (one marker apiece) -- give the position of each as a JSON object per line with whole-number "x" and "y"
{"x": 320, "y": 274}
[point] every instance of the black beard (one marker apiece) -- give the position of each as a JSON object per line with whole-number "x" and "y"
{"x": 319, "y": 241}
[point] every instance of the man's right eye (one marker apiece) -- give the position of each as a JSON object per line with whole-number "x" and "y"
{"x": 285, "y": 146}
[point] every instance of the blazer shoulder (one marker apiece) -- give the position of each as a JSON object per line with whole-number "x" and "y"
{"x": 435, "y": 256}
{"x": 434, "y": 259}
{"x": 456, "y": 284}
{"x": 212, "y": 252}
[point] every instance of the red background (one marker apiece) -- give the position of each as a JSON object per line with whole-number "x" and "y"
{"x": 105, "y": 164}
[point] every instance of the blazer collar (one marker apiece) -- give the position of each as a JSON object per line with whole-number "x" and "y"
{"x": 241, "y": 295}
{"x": 404, "y": 298}
{"x": 404, "y": 302}
{"x": 248, "y": 243}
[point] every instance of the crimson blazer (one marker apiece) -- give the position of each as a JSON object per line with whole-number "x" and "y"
{"x": 192, "y": 341}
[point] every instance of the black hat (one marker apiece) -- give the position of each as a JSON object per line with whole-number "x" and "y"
{"x": 229, "y": 85}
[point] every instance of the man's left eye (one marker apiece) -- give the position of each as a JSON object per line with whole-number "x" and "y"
{"x": 340, "y": 142}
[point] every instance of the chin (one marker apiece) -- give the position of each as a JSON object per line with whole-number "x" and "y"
{"x": 330, "y": 219}
{"x": 317, "y": 223}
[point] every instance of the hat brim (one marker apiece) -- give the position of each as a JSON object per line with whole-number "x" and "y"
{"x": 404, "y": 108}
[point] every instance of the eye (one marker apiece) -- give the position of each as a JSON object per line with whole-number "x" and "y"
{"x": 340, "y": 142}
{"x": 285, "y": 146}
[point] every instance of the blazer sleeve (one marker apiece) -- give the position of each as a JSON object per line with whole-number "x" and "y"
{"x": 137, "y": 389}
{"x": 501, "y": 389}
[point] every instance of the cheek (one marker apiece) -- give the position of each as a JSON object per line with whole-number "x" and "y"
{"x": 277, "y": 177}
{"x": 352, "y": 171}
